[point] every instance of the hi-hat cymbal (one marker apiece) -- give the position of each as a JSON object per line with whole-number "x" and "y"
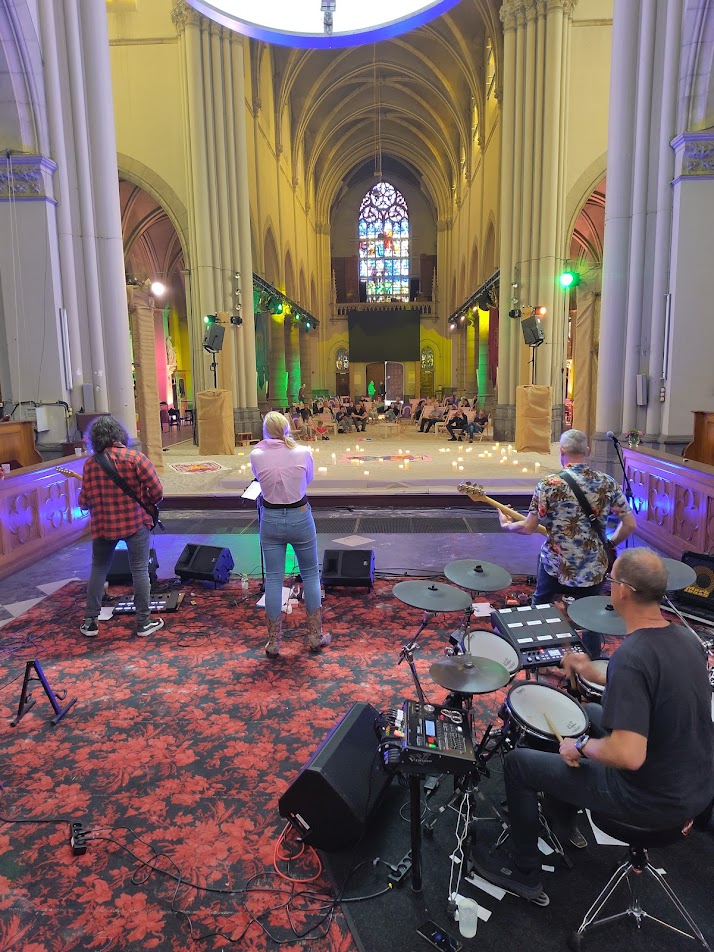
{"x": 679, "y": 575}
{"x": 469, "y": 675}
{"x": 597, "y": 613}
{"x": 432, "y": 596}
{"x": 477, "y": 576}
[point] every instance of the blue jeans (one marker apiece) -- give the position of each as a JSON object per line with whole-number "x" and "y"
{"x": 547, "y": 586}
{"x": 138, "y": 546}
{"x": 278, "y": 527}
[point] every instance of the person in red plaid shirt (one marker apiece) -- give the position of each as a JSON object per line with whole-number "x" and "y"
{"x": 115, "y": 516}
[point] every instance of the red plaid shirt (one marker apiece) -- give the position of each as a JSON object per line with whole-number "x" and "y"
{"x": 114, "y": 514}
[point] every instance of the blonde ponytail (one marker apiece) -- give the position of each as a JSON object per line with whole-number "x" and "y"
{"x": 277, "y": 427}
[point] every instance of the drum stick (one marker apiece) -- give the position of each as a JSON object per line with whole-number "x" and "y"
{"x": 553, "y": 728}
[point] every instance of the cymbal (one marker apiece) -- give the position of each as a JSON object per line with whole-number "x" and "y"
{"x": 432, "y": 596}
{"x": 478, "y": 576}
{"x": 679, "y": 575}
{"x": 597, "y": 613}
{"x": 469, "y": 675}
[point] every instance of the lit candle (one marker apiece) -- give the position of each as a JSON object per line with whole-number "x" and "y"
{"x": 334, "y": 457}
{"x": 480, "y": 455}
{"x": 347, "y": 450}
{"x": 525, "y": 469}
{"x": 406, "y": 464}
{"x": 461, "y": 469}
{"x": 322, "y": 469}
{"x": 537, "y": 467}
{"x": 366, "y": 472}
{"x": 401, "y": 465}
{"x": 441, "y": 449}
{"x": 454, "y": 465}
{"x": 408, "y": 452}
{"x": 470, "y": 449}
{"x": 399, "y": 451}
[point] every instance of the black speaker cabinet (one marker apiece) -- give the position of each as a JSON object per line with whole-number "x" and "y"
{"x": 120, "y": 570}
{"x": 701, "y": 593}
{"x": 354, "y": 568}
{"x": 208, "y": 562}
{"x": 333, "y": 797}
{"x": 213, "y": 338}
{"x": 532, "y": 331}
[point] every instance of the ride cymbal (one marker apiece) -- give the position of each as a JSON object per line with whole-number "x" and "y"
{"x": 477, "y": 575}
{"x": 597, "y": 613}
{"x": 432, "y": 596}
{"x": 469, "y": 675}
{"x": 679, "y": 575}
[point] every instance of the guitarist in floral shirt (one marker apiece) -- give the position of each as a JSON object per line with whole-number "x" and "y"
{"x": 573, "y": 560}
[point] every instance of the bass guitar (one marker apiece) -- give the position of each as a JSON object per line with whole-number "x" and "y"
{"x": 477, "y": 494}
{"x": 69, "y": 472}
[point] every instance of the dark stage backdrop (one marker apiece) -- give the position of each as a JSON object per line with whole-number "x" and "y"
{"x": 384, "y": 335}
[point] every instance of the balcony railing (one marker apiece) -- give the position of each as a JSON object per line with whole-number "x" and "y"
{"x": 426, "y": 308}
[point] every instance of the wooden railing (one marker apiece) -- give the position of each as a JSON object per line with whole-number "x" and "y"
{"x": 676, "y": 501}
{"x": 39, "y": 513}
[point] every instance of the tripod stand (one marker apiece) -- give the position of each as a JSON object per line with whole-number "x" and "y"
{"x": 629, "y": 492}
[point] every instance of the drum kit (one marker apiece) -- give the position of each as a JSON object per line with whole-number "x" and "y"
{"x": 480, "y": 661}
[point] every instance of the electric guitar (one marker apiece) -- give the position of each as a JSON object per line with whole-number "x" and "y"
{"x": 477, "y": 494}
{"x": 149, "y": 509}
{"x": 69, "y": 472}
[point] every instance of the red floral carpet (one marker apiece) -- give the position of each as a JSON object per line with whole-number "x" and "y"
{"x": 173, "y": 759}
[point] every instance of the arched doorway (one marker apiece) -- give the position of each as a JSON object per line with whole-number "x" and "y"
{"x": 152, "y": 250}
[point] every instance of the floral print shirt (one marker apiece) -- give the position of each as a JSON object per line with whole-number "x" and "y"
{"x": 572, "y": 553}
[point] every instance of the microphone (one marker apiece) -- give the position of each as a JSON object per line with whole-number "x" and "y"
{"x": 611, "y": 436}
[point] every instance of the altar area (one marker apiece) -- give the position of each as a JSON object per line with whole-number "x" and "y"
{"x": 373, "y": 464}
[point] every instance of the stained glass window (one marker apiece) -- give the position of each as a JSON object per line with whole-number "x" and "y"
{"x": 427, "y": 358}
{"x": 342, "y": 360}
{"x": 384, "y": 244}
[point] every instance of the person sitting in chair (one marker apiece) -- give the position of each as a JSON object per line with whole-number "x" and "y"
{"x": 457, "y": 421}
{"x": 648, "y": 758}
{"x": 359, "y": 416}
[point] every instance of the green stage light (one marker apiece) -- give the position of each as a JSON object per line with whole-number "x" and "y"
{"x": 569, "y": 279}
{"x": 209, "y": 319}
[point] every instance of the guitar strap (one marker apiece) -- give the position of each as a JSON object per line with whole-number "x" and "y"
{"x": 110, "y": 469}
{"x": 586, "y": 507}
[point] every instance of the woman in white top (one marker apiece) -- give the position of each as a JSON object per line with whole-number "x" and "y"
{"x": 284, "y": 470}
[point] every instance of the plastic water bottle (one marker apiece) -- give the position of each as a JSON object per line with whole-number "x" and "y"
{"x": 244, "y": 583}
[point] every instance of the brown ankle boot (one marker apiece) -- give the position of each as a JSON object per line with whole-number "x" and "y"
{"x": 275, "y": 632}
{"x": 316, "y": 639}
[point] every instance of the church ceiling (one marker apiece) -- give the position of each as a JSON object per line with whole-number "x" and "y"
{"x": 412, "y": 97}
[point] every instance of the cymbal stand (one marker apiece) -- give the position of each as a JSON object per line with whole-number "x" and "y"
{"x": 675, "y": 611}
{"x": 407, "y": 654}
{"x": 458, "y": 637}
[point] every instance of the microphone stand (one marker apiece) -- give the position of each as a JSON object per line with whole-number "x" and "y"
{"x": 629, "y": 493}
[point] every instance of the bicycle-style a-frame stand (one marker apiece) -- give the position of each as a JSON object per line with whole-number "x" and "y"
{"x": 27, "y": 701}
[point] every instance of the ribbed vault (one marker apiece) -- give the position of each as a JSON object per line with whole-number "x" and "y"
{"x": 413, "y": 97}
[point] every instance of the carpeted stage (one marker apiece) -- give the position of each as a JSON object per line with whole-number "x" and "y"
{"x": 174, "y": 758}
{"x": 378, "y": 466}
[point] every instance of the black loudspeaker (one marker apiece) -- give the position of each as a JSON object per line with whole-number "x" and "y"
{"x": 532, "y": 331}
{"x": 120, "y": 570}
{"x": 332, "y": 798}
{"x": 354, "y": 568}
{"x": 213, "y": 338}
{"x": 207, "y": 562}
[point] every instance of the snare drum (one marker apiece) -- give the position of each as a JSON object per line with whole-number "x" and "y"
{"x": 482, "y": 643}
{"x": 524, "y": 721}
{"x": 590, "y": 690}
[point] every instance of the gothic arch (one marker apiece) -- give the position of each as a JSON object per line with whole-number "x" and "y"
{"x": 473, "y": 268}
{"x": 580, "y": 193}
{"x": 289, "y": 276}
{"x": 488, "y": 263}
{"x": 22, "y": 105}
{"x": 131, "y": 170}
{"x": 271, "y": 262}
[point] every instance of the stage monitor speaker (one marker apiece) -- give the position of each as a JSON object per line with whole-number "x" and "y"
{"x": 207, "y": 562}
{"x": 354, "y": 568}
{"x": 120, "y": 570}
{"x": 213, "y": 338}
{"x": 532, "y": 331}
{"x": 333, "y": 797}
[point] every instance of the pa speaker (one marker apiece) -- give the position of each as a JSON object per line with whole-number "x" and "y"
{"x": 354, "y": 568}
{"x": 532, "y": 331}
{"x": 700, "y": 594}
{"x": 207, "y": 562}
{"x": 120, "y": 570}
{"x": 213, "y": 338}
{"x": 333, "y": 797}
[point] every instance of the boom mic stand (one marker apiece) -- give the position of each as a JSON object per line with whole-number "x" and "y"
{"x": 629, "y": 493}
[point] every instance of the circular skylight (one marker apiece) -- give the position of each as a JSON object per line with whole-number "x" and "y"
{"x": 321, "y": 23}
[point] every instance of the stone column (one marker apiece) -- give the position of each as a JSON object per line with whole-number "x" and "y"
{"x": 292, "y": 358}
{"x": 306, "y": 361}
{"x": 107, "y": 214}
{"x": 141, "y": 311}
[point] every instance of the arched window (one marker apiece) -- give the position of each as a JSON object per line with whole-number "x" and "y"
{"x": 427, "y": 357}
{"x": 342, "y": 361}
{"x": 384, "y": 244}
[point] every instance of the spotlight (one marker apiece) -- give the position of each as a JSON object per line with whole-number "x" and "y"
{"x": 210, "y": 319}
{"x": 307, "y": 325}
{"x": 515, "y": 312}
{"x": 158, "y": 289}
{"x": 462, "y": 318}
{"x": 569, "y": 279}
{"x": 483, "y": 301}
{"x": 235, "y": 319}
{"x": 540, "y": 310}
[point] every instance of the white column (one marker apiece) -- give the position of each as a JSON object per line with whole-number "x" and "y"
{"x": 618, "y": 213}
{"x": 107, "y": 213}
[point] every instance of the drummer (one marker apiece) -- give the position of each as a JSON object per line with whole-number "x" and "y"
{"x": 573, "y": 561}
{"x": 649, "y": 760}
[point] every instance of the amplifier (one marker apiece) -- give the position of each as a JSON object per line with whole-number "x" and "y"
{"x": 532, "y": 629}
{"x": 699, "y": 595}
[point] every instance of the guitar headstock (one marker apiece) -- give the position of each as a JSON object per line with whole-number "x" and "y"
{"x": 68, "y": 472}
{"x": 471, "y": 489}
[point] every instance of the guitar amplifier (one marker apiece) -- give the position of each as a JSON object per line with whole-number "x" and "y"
{"x": 537, "y": 628}
{"x": 700, "y": 594}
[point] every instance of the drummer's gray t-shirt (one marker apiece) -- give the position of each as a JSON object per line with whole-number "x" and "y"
{"x": 658, "y": 686}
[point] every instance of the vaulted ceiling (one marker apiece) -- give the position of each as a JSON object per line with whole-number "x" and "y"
{"x": 413, "y": 95}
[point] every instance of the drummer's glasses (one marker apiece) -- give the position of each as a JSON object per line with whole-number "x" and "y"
{"x": 619, "y": 581}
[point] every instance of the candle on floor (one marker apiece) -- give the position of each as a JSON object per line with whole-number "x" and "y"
{"x": 470, "y": 449}
{"x": 406, "y": 464}
{"x": 322, "y": 469}
{"x": 441, "y": 449}
{"x": 461, "y": 469}
{"x": 537, "y": 467}
{"x": 480, "y": 455}
{"x": 401, "y": 465}
{"x": 510, "y": 449}
{"x": 454, "y": 465}
{"x": 366, "y": 472}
